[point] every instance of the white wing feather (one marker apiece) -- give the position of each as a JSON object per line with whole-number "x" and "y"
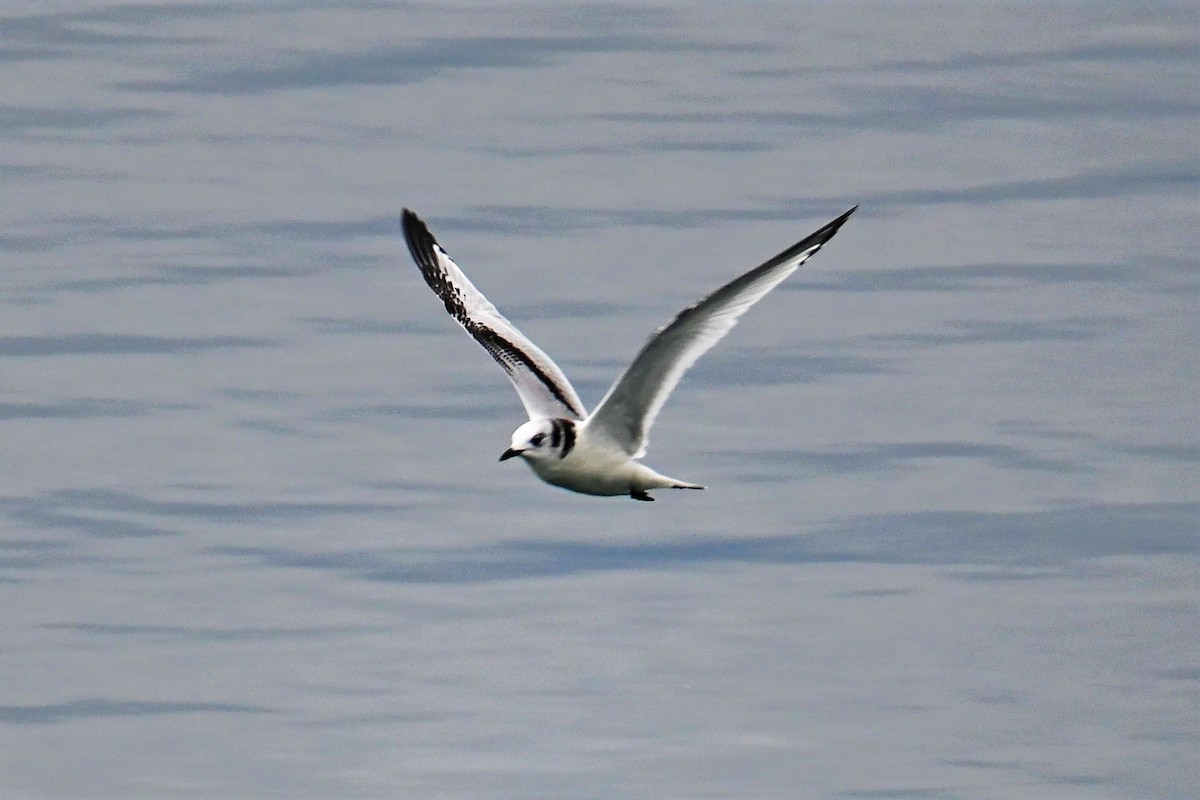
{"x": 543, "y": 388}
{"x": 626, "y": 413}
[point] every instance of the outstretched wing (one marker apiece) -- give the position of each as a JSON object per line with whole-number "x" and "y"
{"x": 542, "y": 386}
{"x": 626, "y": 413}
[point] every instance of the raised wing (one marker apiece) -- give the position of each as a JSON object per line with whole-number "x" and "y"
{"x": 542, "y": 386}
{"x": 626, "y": 413}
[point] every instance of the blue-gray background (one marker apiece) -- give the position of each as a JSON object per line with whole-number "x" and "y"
{"x": 255, "y": 542}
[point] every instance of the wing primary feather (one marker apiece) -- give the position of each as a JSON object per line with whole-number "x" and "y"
{"x": 513, "y": 356}
{"x": 628, "y": 410}
{"x": 817, "y": 239}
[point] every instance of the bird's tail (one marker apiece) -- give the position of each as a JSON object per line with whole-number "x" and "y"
{"x": 683, "y": 485}
{"x": 649, "y": 479}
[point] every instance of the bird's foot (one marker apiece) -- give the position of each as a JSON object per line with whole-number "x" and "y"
{"x": 640, "y": 494}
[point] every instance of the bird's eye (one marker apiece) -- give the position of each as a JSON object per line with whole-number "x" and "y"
{"x": 536, "y": 441}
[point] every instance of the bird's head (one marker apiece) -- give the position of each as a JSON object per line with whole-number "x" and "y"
{"x": 532, "y": 441}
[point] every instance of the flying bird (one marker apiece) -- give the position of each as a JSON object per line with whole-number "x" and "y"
{"x": 599, "y": 453}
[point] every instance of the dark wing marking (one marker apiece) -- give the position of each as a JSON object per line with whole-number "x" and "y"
{"x": 543, "y": 388}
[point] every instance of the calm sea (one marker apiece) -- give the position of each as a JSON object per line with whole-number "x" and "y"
{"x": 254, "y": 541}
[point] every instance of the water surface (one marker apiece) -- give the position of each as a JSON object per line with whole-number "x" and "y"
{"x": 254, "y": 541}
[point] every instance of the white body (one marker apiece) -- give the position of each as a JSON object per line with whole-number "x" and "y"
{"x": 595, "y": 466}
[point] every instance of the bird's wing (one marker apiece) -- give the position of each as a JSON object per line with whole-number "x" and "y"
{"x": 542, "y": 386}
{"x": 626, "y": 413}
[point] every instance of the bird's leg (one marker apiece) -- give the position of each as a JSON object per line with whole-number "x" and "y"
{"x": 639, "y": 494}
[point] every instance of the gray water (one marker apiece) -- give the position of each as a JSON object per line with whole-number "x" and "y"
{"x": 255, "y": 539}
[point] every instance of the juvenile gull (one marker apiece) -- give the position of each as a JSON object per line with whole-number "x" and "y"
{"x": 564, "y": 445}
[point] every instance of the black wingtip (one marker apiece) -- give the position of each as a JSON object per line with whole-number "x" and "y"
{"x": 832, "y": 228}
{"x": 410, "y": 222}
{"x": 815, "y": 239}
{"x": 826, "y": 233}
{"x": 419, "y": 239}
